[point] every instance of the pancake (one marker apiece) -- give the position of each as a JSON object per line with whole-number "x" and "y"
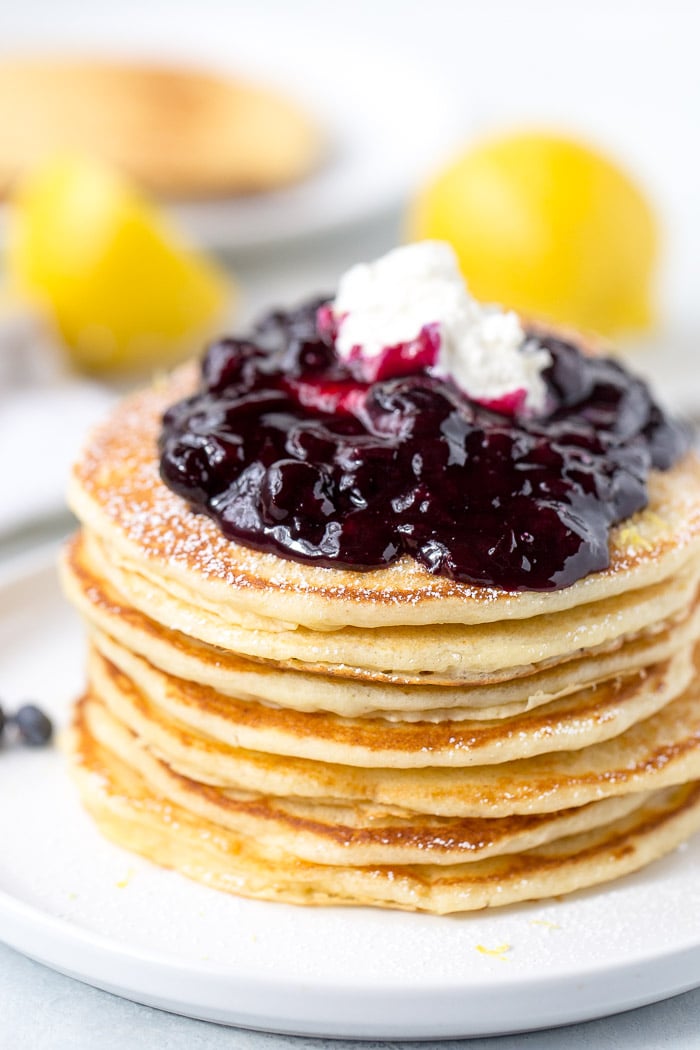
{"x": 176, "y": 131}
{"x": 458, "y": 651}
{"x": 117, "y": 493}
{"x": 661, "y": 751}
{"x": 575, "y": 722}
{"x": 232, "y": 675}
{"x": 131, "y": 814}
{"x": 336, "y": 834}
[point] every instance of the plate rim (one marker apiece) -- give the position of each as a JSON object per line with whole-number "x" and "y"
{"x": 345, "y": 1003}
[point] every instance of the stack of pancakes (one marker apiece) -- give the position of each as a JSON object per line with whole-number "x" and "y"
{"x": 384, "y": 738}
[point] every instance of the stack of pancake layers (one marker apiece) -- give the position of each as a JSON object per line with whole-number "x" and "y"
{"x": 385, "y": 738}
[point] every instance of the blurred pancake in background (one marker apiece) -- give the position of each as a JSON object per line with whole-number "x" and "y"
{"x": 178, "y": 132}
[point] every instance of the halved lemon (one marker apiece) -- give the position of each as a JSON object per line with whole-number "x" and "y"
{"x": 548, "y": 226}
{"x": 123, "y": 288}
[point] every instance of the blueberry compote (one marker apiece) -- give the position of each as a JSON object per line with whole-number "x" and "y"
{"x": 289, "y": 451}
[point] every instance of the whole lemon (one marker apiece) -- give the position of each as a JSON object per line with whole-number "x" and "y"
{"x": 123, "y": 289}
{"x": 547, "y": 226}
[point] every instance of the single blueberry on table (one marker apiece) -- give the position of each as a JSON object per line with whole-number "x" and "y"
{"x": 34, "y": 728}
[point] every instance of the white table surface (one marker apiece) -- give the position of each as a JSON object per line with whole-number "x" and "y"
{"x": 612, "y": 42}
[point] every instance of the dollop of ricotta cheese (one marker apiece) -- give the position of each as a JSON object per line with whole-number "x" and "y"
{"x": 418, "y": 288}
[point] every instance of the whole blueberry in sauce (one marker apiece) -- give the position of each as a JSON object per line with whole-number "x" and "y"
{"x": 290, "y": 451}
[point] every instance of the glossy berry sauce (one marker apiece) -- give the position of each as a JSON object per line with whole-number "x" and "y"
{"x": 290, "y": 451}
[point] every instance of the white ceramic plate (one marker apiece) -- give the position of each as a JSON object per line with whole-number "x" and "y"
{"x": 386, "y": 122}
{"x": 88, "y": 909}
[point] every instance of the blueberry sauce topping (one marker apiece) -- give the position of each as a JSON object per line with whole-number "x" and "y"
{"x": 290, "y": 450}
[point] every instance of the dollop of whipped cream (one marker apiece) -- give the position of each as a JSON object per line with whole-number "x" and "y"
{"x": 412, "y": 309}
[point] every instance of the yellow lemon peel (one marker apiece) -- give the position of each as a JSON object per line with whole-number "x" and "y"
{"x": 122, "y": 287}
{"x": 548, "y": 226}
{"x": 496, "y": 953}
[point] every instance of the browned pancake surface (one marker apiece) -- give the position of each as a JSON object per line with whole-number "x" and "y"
{"x": 575, "y": 722}
{"x": 661, "y": 751}
{"x": 128, "y": 812}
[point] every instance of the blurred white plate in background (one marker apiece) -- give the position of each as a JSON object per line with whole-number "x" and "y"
{"x": 382, "y": 138}
{"x": 41, "y": 433}
{"x": 387, "y": 122}
{"x": 45, "y": 413}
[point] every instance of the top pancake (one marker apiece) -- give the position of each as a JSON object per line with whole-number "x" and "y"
{"x": 117, "y": 492}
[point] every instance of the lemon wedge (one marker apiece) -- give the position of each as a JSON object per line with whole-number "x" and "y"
{"x": 124, "y": 290}
{"x": 548, "y": 226}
